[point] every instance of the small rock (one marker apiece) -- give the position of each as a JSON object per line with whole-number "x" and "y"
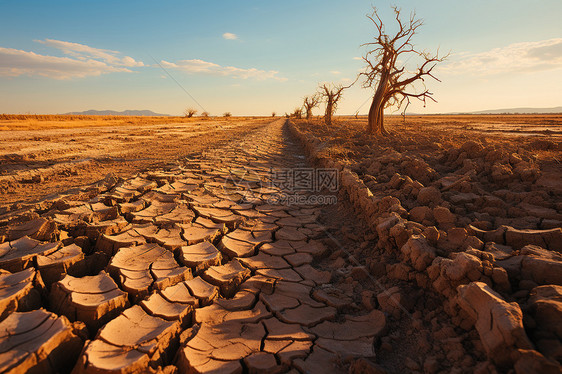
{"x": 443, "y": 216}
{"x": 420, "y": 214}
{"x": 431, "y": 365}
{"x": 367, "y": 300}
{"x": 411, "y": 364}
{"x": 428, "y": 195}
{"x": 364, "y": 366}
{"x": 431, "y": 234}
{"x": 499, "y": 323}
{"x": 395, "y": 300}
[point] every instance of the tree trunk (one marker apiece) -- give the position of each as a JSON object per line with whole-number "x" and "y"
{"x": 376, "y": 117}
{"x": 376, "y": 112}
{"x": 328, "y": 115}
{"x": 308, "y": 113}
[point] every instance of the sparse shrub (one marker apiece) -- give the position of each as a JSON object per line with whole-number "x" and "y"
{"x": 190, "y": 112}
{"x": 227, "y": 114}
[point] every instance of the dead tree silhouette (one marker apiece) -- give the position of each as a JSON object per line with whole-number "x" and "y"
{"x": 190, "y": 112}
{"x": 388, "y": 75}
{"x": 297, "y": 113}
{"x": 331, "y": 94}
{"x": 311, "y": 102}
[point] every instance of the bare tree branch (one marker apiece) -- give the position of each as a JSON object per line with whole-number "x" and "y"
{"x": 311, "y": 102}
{"x": 331, "y": 94}
{"x": 384, "y": 73}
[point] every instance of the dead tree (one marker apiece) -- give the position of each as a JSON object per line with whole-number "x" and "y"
{"x": 297, "y": 113}
{"x": 331, "y": 95}
{"x": 311, "y": 102}
{"x": 190, "y": 112}
{"x": 388, "y": 76}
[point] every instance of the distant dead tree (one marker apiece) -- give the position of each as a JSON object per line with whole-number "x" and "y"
{"x": 386, "y": 73}
{"x": 311, "y": 102}
{"x": 227, "y": 114}
{"x": 273, "y": 114}
{"x": 331, "y": 94}
{"x": 205, "y": 114}
{"x": 297, "y": 113}
{"x": 190, "y": 112}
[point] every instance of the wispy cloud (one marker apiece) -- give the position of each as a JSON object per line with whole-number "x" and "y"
{"x": 82, "y": 51}
{"x": 358, "y": 58}
{"x": 15, "y": 62}
{"x": 522, "y": 57}
{"x": 83, "y": 61}
{"x": 335, "y": 72}
{"x": 229, "y": 36}
{"x": 205, "y": 67}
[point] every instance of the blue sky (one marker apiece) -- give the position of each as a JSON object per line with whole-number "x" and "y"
{"x": 254, "y": 57}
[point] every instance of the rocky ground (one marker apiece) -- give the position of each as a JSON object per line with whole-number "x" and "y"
{"x": 474, "y": 221}
{"x": 201, "y": 266}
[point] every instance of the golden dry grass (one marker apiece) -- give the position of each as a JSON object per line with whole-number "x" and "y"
{"x": 10, "y": 122}
{"x": 467, "y": 119}
{"x": 540, "y": 134}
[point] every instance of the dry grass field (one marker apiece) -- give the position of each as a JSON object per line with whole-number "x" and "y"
{"x": 508, "y": 124}
{"x": 57, "y": 121}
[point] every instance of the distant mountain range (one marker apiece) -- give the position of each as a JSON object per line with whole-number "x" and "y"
{"x": 557, "y": 109}
{"x": 116, "y": 113}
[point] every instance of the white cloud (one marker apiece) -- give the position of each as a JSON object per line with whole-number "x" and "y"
{"x": 358, "y": 58}
{"x": 15, "y": 62}
{"x": 129, "y": 61}
{"x": 525, "y": 57}
{"x": 205, "y": 67}
{"x": 229, "y": 36}
{"x": 335, "y": 72}
{"x": 82, "y": 52}
{"x": 82, "y": 61}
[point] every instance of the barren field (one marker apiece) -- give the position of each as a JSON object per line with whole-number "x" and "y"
{"x": 42, "y": 155}
{"x": 507, "y": 125}
{"x": 467, "y": 209}
{"x": 209, "y": 248}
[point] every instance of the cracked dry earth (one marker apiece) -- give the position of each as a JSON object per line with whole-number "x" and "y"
{"x": 189, "y": 270}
